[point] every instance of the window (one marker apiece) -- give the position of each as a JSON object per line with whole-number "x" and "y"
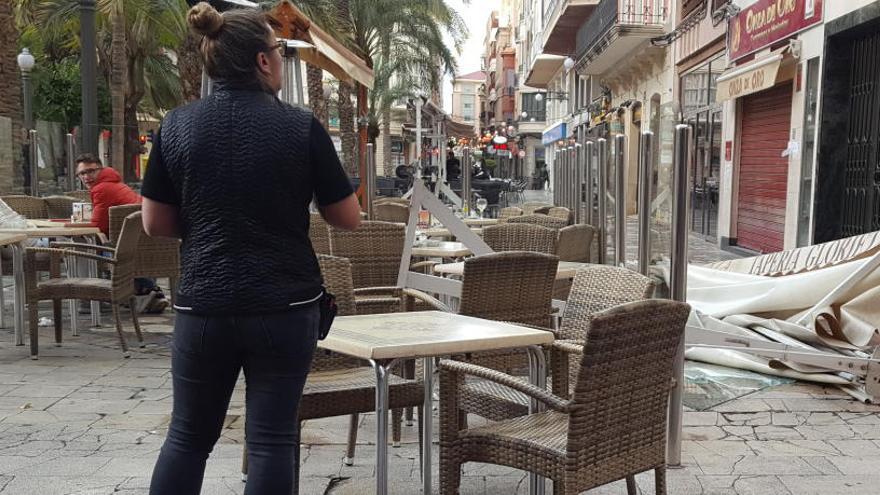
{"x": 534, "y": 109}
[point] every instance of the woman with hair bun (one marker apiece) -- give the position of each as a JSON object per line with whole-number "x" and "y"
{"x": 232, "y": 175}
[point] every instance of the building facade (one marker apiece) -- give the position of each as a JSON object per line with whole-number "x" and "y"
{"x": 467, "y": 99}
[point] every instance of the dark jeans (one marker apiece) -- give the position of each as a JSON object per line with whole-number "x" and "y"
{"x": 275, "y": 351}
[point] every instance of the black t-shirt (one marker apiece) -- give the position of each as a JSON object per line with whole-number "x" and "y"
{"x": 331, "y": 182}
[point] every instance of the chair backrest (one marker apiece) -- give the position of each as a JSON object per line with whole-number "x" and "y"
{"x": 336, "y": 272}
{"x": 60, "y": 206}
{"x": 508, "y": 211}
{"x": 542, "y": 220}
{"x": 374, "y": 250}
{"x": 29, "y": 207}
{"x": 520, "y": 237}
{"x": 596, "y": 289}
{"x": 391, "y": 199}
{"x": 560, "y": 212}
{"x": 529, "y": 207}
{"x": 391, "y": 212}
{"x": 574, "y": 242}
{"x": 619, "y": 406}
{"x": 126, "y": 256}
{"x": 514, "y": 286}
{"x": 319, "y": 234}
{"x": 117, "y": 215}
{"x": 81, "y": 195}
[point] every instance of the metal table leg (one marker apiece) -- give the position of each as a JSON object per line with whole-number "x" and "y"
{"x": 2, "y": 298}
{"x": 18, "y": 291}
{"x": 72, "y": 304}
{"x": 428, "y": 424}
{"x": 538, "y": 377}
{"x": 93, "y": 273}
{"x": 381, "y": 424}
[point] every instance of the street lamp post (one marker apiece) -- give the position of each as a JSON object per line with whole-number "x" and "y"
{"x": 88, "y": 77}
{"x": 26, "y": 65}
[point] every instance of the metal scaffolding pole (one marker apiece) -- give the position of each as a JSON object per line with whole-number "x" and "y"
{"x": 602, "y": 172}
{"x": 646, "y": 175}
{"x": 467, "y": 170}
{"x": 578, "y": 180}
{"x": 678, "y": 277}
{"x": 619, "y": 200}
{"x": 34, "y": 156}
{"x": 587, "y": 163}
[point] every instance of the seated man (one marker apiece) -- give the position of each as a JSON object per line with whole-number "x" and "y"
{"x": 107, "y": 189}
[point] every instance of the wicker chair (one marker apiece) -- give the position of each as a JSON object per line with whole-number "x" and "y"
{"x": 574, "y": 242}
{"x": 118, "y": 290}
{"x": 60, "y": 206}
{"x": 390, "y": 199}
{"x": 374, "y": 250}
{"x": 29, "y": 207}
{"x": 562, "y": 213}
{"x": 82, "y": 195}
{"x": 319, "y": 234}
{"x": 508, "y": 211}
{"x": 542, "y": 220}
{"x": 614, "y": 425}
{"x": 594, "y": 289}
{"x": 338, "y": 385}
{"x": 520, "y": 237}
{"x": 156, "y": 256}
{"x": 391, "y": 212}
{"x": 529, "y": 207}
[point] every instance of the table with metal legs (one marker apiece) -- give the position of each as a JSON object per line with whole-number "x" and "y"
{"x": 386, "y": 339}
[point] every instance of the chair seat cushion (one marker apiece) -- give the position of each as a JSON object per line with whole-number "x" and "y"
{"x": 353, "y": 390}
{"x": 76, "y": 288}
{"x": 545, "y": 432}
{"x": 494, "y": 401}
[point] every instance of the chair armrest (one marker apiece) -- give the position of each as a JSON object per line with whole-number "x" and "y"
{"x": 71, "y": 252}
{"x": 567, "y": 346}
{"x": 424, "y": 264}
{"x": 426, "y": 298}
{"x": 530, "y": 390}
{"x": 378, "y": 291}
{"x": 82, "y": 245}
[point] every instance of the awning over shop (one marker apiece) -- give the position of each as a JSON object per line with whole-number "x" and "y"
{"x": 458, "y": 129}
{"x": 757, "y": 75}
{"x": 543, "y": 69}
{"x": 326, "y": 52}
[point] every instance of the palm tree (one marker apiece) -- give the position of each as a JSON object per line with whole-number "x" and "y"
{"x": 10, "y": 96}
{"x": 118, "y": 75}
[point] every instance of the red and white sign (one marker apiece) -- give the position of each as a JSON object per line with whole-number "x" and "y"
{"x": 768, "y": 21}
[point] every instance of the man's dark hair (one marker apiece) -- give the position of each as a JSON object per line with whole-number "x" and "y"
{"x": 88, "y": 158}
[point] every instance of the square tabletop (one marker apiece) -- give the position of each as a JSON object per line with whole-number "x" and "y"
{"x": 59, "y": 231}
{"x": 440, "y": 249}
{"x": 444, "y": 232}
{"x": 565, "y": 269}
{"x": 479, "y": 222}
{"x": 425, "y": 334}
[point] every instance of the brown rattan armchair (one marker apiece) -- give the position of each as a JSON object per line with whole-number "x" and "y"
{"x": 82, "y": 195}
{"x": 339, "y": 385}
{"x": 542, "y": 220}
{"x": 391, "y": 212}
{"x": 118, "y": 290}
{"x": 156, "y": 256}
{"x": 613, "y": 426}
{"x": 319, "y": 234}
{"x": 29, "y": 207}
{"x": 520, "y": 237}
{"x": 529, "y": 207}
{"x": 594, "y": 289}
{"x": 574, "y": 245}
{"x": 374, "y": 250}
{"x": 60, "y": 206}
{"x": 508, "y": 211}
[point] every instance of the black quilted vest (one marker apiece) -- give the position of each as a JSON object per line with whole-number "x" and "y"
{"x": 239, "y": 160}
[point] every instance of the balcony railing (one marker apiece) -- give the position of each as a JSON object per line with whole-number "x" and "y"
{"x": 620, "y": 12}
{"x": 549, "y": 10}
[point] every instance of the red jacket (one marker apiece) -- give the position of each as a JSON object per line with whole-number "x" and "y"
{"x": 109, "y": 191}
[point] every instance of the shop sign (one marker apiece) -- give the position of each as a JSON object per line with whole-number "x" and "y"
{"x": 746, "y": 81}
{"x": 555, "y": 133}
{"x": 768, "y": 21}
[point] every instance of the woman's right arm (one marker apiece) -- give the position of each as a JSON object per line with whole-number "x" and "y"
{"x": 345, "y": 214}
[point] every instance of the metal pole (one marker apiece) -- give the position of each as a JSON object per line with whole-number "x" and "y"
{"x": 563, "y": 176}
{"x": 588, "y": 150}
{"x": 297, "y": 78}
{"x": 620, "y": 200}
{"x": 467, "y": 170}
{"x": 70, "y": 150}
{"x": 555, "y": 181}
{"x": 578, "y": 181}
{"x": 418, "y": 171}
{"x": 28, "y": 99}
{"x": 646, "y": 176}
{"x": 34, "y": 156}
{"x": 207, "y": 85}
{"x": 602, "y": 172}
{"x": 370, "y": 181}
{"x": 570, "y": 177}
{"x": 88, "y": 76}
{"x": 678, "y": 277}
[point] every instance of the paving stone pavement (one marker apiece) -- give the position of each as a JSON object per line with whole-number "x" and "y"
{"x": 83, "y": 420}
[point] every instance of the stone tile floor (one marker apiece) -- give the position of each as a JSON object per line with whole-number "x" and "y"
{"x": 83, "y": 420}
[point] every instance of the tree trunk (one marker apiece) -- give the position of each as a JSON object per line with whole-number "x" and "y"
{"x": 346, "y": 128}
{"x": 11, "y": 170}
{"x": 189, "y": 64}
{"x": 134, "y": 93}
{"x": 315, "y": 78}
{"x": 387, "y": 164}
{"x": 118, "y": 81}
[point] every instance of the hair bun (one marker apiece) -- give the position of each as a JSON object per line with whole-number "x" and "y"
{"x": 205, "y": 20}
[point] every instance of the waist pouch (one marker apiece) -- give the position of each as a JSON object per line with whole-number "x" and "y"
{"x": 327, "y": 309}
